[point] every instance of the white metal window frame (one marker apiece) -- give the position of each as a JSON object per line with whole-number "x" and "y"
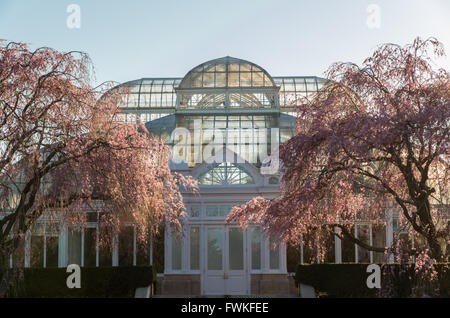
{"x": 63, "y": 248}
{"x": 202, "y": 224}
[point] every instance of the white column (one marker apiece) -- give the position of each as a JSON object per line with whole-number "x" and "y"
{"x": 371, "y": 242}
{"x": 301, "y": 249}
{"x": 337, "y": 246}
{"x": 45, "y": 247}
{"x": 318, "y": 255}
{"x": 115, "y": 251}
{"x": 62, "y": 248}
{"x": 184, "y": 248}
{"x": 97, "y": 249}
{"x": 82, "y": 247}
{"x": 134, "y": 245}
{"x": 389, "y": 234}
{"x": 151, "y": 249}
{"x": 27, "y": 249}
{"x": 356, "y": 245}
{"x": 11, "y": 257}
{"x": 283, "y": 265}
{"x": 167, "y": 251}
{"x": 267, "y": 247}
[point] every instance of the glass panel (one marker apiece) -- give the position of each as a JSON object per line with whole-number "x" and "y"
{"x": 267, "y": 80}
{"x": 196, "y": 79}
{"x": 142, "y": 249}
{"x": 208, "y": 79}
{"x": 256, "y": 247}
{"x": 224, "y": 210}
{"x": 176, "y": 251}
{"x": 126, "y": 246}
{"x": 220, "y": 68}
{"x": 218, "y": 210}
{"x": 273, "y": 180}
{"x": 233, "y": 79}
{"x": 274, "y": 255}
{"x": 348, "y": 248}
{"x": 311, "y": 85}
{"x": 233, "y": 67}
{"x": 194, "y": 211}
{"x": 90, "y": 241}
{"x": 215, "y": 248}
{"x": 74, "y": 247}
{"x": 221, "y": 79}
{"x": 37, "y": 251}
{"x": 104, "y": 249}
{"x": 246, "y": 79}
{"x": 300, "y": 84}
{"x": 246, "y": 67}
{"x": 236, "y": 249}
{"x": 364, "y": 235}
{"x": 52, "y": 251}
{"x": 211, "y": 210}
{"x": 258, "y": 79}
{"x": 195, "y": 248}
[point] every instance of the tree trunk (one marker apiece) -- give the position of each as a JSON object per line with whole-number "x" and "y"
{"x": 435, "y": 248}
{"x": 4, "y": 266}
{"x": 11, "y": 280}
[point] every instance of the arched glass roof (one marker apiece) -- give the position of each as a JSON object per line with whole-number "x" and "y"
{"x": 225, "y": 83}
{"x": 227, "y": 72}
{"x": 151, "y": 92}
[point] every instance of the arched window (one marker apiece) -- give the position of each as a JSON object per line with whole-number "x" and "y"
{"x": 225, "y": 174}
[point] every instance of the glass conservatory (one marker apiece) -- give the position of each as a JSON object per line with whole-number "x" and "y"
{"x": 238, "y": 110}
{"x": 224, "y": 121}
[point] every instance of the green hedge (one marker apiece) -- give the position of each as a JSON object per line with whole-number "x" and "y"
{"x": 349, "y": 279}
{"x": 96, "y": 282}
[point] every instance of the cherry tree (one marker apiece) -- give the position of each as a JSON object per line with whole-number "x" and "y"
{"x": 64, "y": 149}
{"x": 374, "y": 141}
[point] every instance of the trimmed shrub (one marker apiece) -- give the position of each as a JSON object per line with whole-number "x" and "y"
{"x": 349, "y": 279}
{"x": 96, "y": 282}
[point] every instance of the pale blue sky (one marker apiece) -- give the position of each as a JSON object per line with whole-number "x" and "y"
{"x": 132, "y": 39}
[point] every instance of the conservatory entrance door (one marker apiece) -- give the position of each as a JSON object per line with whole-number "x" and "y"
{"x": 225, "y": 271}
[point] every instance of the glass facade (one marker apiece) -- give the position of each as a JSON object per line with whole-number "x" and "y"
{"x": 159, "y": 96}
{"x": 294, "y": 90}
{"x": 226, "y": 103}
{"x": 226, "y": 85}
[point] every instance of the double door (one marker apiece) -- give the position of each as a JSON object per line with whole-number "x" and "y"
{"x": 225, "y": 269}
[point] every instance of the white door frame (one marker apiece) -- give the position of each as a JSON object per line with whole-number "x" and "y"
{"x": 224, "y": 276}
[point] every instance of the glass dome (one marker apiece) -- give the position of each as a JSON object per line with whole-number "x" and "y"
{"x": 223, "y": 86}
{"x": 227, "y": 72}
{"x": 227, "y": 83}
